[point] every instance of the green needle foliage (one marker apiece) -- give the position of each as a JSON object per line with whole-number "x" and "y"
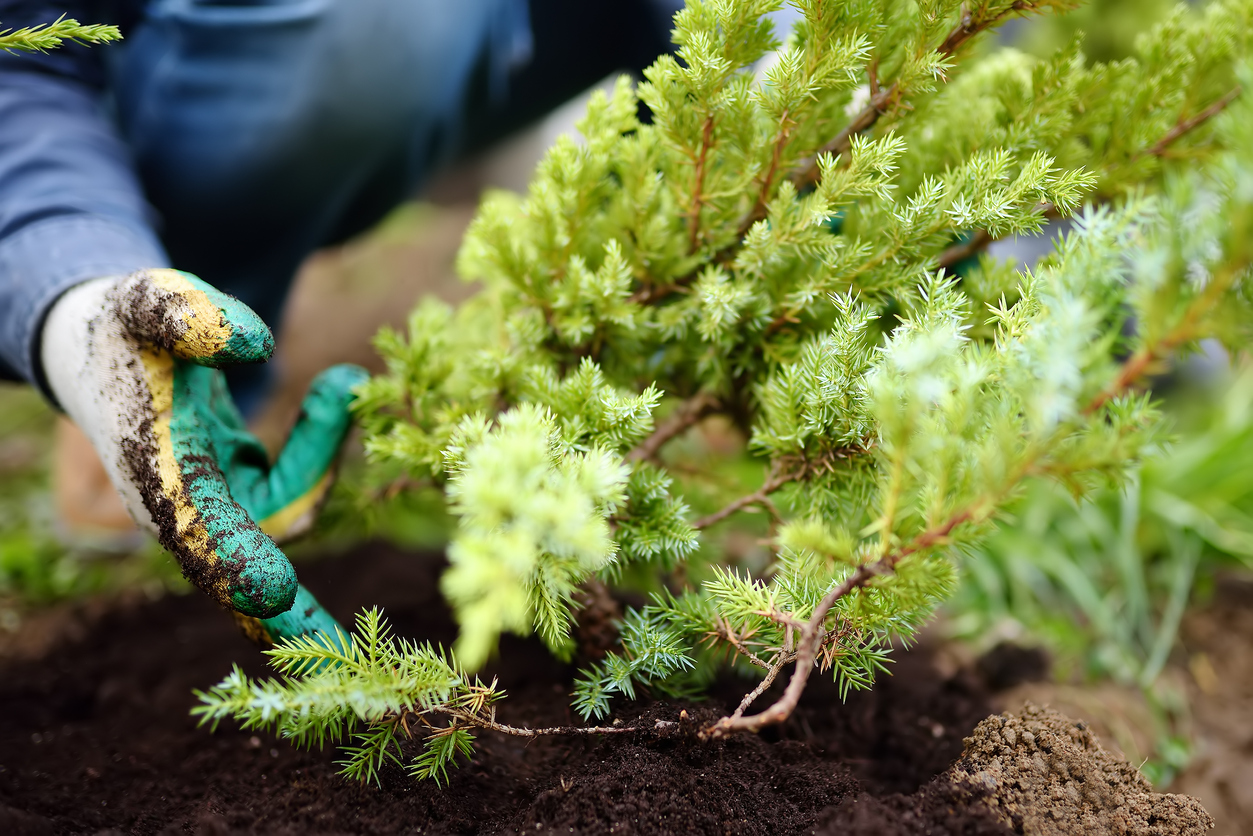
{"x": 366, "y": 688}
{"x": 50, "y": 36}
{"x": 792, "y": 249}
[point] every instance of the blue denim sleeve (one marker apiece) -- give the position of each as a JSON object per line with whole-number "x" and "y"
{"x": 71, "y": 207}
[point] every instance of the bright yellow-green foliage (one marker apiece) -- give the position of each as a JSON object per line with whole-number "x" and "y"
{"x": 787, "y": 245}
{"x": 50, "y": 36}
{"x": 747, "y": 247}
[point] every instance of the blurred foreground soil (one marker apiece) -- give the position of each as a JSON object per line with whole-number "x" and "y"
{"x": 95, "y": 737}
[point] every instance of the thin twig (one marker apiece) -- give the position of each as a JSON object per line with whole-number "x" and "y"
{"x": 772, "y": 672}
{"x": 1134, "y": 367}
{"x": 767, "y": 182}
{"x": 481, "y": 722}
{"x": 732, "y": 638}
{"x": 698, "y": 184}
{"x": 686, "y": 415}
{"x": 1185, "y": 125}
{"x": 779, "y": 476}
{"x": 757, "y": 497}
{"x": 812, "y": 635}
{"x": 776, "y": 517}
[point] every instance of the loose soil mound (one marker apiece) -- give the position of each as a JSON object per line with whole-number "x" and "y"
{"x": 95, "y": 737}
{"x": 1049, "y": 775}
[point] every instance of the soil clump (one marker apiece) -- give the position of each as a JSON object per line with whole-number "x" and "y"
{"x": 1048, "y": 775}
{"x": 95, "y": 737}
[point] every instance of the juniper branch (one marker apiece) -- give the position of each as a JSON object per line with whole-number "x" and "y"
{"x": 981, "y": 239}
{"x": 1135, "y": 366}
{"x": 1184, "y": 126}
{"x": 812, "y": 635}
{"x": 685, "y": 416}
{"x": 806, "y": 171}
{"x": 44, "y": 37}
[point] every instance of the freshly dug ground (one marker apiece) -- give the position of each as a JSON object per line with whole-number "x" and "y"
{"x": 95, "y": 737}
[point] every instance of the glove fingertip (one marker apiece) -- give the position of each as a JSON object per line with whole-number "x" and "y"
{"x": 329, "y": 395}
{"x": 217, "y": 329}
{"x": 250, "y": 340}
{"x": 302, "y": 474}
{"x": 264, "y": 587}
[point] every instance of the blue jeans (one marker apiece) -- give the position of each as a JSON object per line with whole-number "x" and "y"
{"x": 264, "y": 130}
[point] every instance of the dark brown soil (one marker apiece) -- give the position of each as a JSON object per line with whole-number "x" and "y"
{"x": 95, "y": 737}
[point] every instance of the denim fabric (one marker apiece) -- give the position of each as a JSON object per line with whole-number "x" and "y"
{"x": 230, "y": 138}
{"x": 70, "y": 208}
{"x": 264, "y": 131}
{"x": 259, "y": 130}
{"x": 254, "y": 129}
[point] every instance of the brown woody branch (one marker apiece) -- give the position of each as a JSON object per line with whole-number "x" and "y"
{"x": 958, "y": 253}
{"x": 1135, "y": 366}
{"x": 775, "y": 481}
{"x": 812, "y": 634}
{"x": 772, "y": 673}
{"x": 686, "y": 415}
{"x": 778, "y": 478}
{"x": 732, "y": 638}
{"x": 767, "y": 182}
{"x": 698, "y": 184}
{"x": 1185, "y": 125}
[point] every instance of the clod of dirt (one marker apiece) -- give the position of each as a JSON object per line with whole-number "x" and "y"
{"x": 1048, "y": 775}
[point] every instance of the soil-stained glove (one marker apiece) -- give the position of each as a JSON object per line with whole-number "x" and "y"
{"x": 134, "y": 362}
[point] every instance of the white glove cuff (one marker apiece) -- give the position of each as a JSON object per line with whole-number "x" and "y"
{"x": 95, "y": 371}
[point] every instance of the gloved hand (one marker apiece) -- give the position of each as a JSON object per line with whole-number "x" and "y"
{"x": 134, "y": 362}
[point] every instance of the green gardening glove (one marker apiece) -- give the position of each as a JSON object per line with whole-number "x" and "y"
{"x": 135, "y": 363}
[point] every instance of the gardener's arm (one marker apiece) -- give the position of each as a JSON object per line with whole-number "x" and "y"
{"x": 132, "y": 356}
{"x": 71, "y": 208}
